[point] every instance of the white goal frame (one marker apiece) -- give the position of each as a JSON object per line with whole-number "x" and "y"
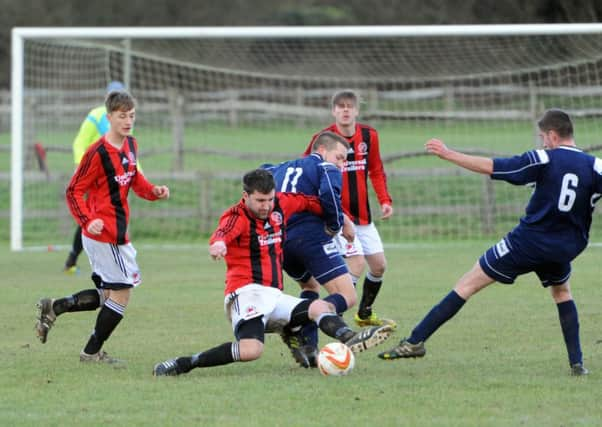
{"x": 20, "y": 34}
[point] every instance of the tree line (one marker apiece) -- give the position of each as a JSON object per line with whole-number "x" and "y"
{"x": 57, "y": 13}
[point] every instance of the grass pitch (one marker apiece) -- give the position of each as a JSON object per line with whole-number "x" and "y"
{"x": 501, "y": 361}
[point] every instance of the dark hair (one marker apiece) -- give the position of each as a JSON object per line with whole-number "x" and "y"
{"x": 344, "y": 94}
{"x": 119, "y": 100}
{"x": 259, "y": 180}
{"x": 329, "y": 140}
{"x": 558, "y": 121}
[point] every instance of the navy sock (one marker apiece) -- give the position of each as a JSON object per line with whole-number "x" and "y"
{"x": 569, "y": 322}
{"x": 439, "y": 314}
{"x": 340, "y": 305}
{"x": 310, "y": 295}
{"x": 309, "y": 331}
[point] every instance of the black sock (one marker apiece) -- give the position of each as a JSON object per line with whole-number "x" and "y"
{"x": 86, "y": 300}
{"x": 106, "y": 322}
{"x": 76, "y": 248}
{"x": 221, "y": 355}
{"x": 370, "y": 291}
{"x": 334, "y": 326}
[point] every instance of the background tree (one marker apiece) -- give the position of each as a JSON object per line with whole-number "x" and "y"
{"x": 282, "y": 12}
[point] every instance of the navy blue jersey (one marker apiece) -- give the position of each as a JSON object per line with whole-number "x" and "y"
{"x": 312, "y": 176}
{"x": 558, "y": 216}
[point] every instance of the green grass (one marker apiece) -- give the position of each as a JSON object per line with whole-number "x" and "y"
{"x": 501, "y": 361}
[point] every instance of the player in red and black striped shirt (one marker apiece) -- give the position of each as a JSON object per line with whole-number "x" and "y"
{"x": 363, "y": 162}
{"x": 249, "y": 236}
{"x": 97, "y": 198}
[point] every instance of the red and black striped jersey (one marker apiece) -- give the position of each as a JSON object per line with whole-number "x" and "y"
{"x": 363, "y": 162}
{"x": 254, "y": 246}
{"x": 100, "y": 185}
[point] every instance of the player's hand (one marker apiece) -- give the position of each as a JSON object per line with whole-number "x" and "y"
{"x": 386, "y": 211}
{"x": 348, "y": 230}
{"x": 330, "y": 232}
{"x": 218, "y": 250}
{"x": 437, "y": 147}
{"x": 95, "y": 226}
{"x": 161, "y": 191}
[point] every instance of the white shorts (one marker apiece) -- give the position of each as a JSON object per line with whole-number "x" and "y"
{"x": 254, "y": 300}
{"x": 367, "y": 241}
{"x": 114, "y": 264}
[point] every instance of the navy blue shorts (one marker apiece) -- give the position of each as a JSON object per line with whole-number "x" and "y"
{"x": 307, "y": 256}
{"x": 504, "y": 263}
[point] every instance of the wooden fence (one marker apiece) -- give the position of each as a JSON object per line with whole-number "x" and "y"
{"x": 301, "y": 104}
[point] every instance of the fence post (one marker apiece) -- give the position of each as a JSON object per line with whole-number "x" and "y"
{"x": 372, "y": 102}
{"x": 232, "y": 108}
{"x": 449, "y": 103}
{"x": 487, "y": 206}
{"x": 205, "y": 206}
{"x": 4, "y": 110}
{"x": 534, "y": 113}
{"x": 300, "y": 102}
{"x": 176, "y": 106}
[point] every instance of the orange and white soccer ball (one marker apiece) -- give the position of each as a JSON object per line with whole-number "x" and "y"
{"x": 335, "y": 359}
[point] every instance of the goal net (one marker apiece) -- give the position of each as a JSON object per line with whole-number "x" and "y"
{"x": 214, "y": 103}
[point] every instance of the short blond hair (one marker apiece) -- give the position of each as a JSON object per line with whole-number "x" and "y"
{"x": 345, "y": 94}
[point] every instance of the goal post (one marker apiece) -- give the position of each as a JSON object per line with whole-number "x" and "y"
{"x": 217, "y": 101}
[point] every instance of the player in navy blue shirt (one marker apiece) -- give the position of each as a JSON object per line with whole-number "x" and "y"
{"x": 553, "y": 231}
{"x": 311, "y": 256}
{"x": 319, "y": 175}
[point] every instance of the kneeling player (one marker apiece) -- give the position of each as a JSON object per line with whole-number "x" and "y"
{"x": 249, "y": 237}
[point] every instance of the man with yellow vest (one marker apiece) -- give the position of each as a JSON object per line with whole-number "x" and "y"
{"x": 92, "y": 128}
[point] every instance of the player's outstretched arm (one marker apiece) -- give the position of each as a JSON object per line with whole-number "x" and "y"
{"x": 478, "y": 164}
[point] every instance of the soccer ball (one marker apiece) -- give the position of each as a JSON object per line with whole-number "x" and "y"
{"x": 335, "y": 359}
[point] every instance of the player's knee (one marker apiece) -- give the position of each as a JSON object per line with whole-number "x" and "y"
{"x": 350, "y": 298}
{"x": 356, "y": 265}
{"x": 318, "y": 307}
{"x": 561, "y": 293}
{"x": 250, "y": 349}
{"x": 343, "y": 285}
{"x": 377, "y": 264}
{"x": 121, "y": 296}
{"x": 378, "y": 270}
{"x": 347, "y": 290}
{"x": 250, "y": 335}
{"x": 349, "y": 294}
